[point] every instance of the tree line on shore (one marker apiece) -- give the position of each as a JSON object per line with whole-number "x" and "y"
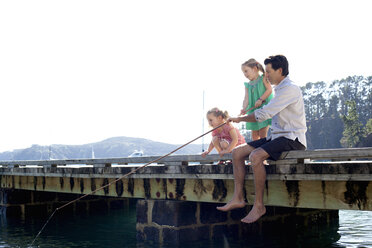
{"x": 338, "y": 114}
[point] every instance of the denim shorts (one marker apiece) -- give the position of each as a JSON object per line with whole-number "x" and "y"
{"x": 276, "y": 146}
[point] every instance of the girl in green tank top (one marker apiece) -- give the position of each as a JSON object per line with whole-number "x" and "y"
{"x": 258, "y": 92}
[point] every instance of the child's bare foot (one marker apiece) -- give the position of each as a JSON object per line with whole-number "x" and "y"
{"x": 264, "y": 162}
{"x": 232, "y": 205}
{"x": 254, "y": 214}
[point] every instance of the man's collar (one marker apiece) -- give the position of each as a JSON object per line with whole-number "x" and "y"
{"x": 283, "y": 82}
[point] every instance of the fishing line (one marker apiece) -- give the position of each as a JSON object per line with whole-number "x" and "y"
{"x": 133, "y": 171}
{"x": 107, "y": 185}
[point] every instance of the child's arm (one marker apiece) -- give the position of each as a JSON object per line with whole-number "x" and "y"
{"x": 210, "y": 148}
{"x": 245, "y": 102}
{"x": 234, "y": 140}
{"x": 266, "y": 94}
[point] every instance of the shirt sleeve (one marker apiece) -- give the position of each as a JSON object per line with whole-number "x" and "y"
{"x": 283, "y": 97}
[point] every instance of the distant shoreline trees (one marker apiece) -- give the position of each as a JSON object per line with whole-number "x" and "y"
{"x": 338, "y": 114}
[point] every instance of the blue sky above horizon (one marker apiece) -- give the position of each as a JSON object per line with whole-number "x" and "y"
{"x": 76, "y": 72}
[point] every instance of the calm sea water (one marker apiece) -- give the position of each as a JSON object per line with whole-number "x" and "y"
{"x": 117, "y": 228}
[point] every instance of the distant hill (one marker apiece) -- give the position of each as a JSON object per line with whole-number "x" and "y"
{"x": 109, "y": 148}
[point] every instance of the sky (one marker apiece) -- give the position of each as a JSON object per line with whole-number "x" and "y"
{"x": 77, "y": 72}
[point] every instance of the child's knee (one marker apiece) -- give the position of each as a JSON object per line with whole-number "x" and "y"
{"x": 224, "y": 144}
{"x": 215, "y": 140}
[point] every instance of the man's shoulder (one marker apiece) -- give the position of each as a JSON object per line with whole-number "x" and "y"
{"x": 288, "y": 84}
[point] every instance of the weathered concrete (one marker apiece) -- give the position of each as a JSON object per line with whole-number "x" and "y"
{"x": 181, "y": 192}
{"x": 292, "y": 181}
{"x": 23, "y": 203}
{"x": 179, "y": 221}
{"x": 333, "y": 185}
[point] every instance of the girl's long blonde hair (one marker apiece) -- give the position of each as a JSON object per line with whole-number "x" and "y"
{"x": 253, "y": 63}
{"x": 217, "y": 112}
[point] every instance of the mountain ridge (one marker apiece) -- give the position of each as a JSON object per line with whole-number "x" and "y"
{"x": 120, "y": 146}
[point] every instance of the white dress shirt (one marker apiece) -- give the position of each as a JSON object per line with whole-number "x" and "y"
{"x": 287, "y": 111}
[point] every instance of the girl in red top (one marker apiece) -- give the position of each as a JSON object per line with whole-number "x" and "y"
{"x": 225, "y": 138}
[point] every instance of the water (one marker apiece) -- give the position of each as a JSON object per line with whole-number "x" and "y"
{"x": 117, "y": 228}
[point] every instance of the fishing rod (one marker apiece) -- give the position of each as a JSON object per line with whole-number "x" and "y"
{"x": 133, "y": 171}
{"x": 107, "y": 185}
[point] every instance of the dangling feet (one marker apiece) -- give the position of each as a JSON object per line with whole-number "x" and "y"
{"x": 224, "y": 162}
{"x": 264, "y": 162}
{"x": 232, "y": 205}
{"x": 254, "y": 214}
{"x": 221, "y": 162}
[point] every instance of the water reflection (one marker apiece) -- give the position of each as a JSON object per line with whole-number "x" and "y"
{"x": 116, "y": 228}
{"x": 355, "y": 228}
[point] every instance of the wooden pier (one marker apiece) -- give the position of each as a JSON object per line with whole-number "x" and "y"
{"x": 321, "y": 179}
{"x": 178, "y": 194}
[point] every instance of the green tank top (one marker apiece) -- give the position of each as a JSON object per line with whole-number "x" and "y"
{"x": 256, "y": 89}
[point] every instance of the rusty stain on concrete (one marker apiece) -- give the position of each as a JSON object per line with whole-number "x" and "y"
{"x": 82, "y": 185}
{"x": 43, "y": 182}
{"x": 219, "y": 190}
{"x": 119, "y": 188}
{"x": 106, "y": 189}
{"x": 293, "y": 191}
{"x": 356, "y": 193}
{"x": 35, "y": 183}
{"x": 165, "y": 186}
{"x": 72, "y": 183}
{"x": 92, "y": 184}
{"x": 147, "y": 187}
{"x": 180, "y": 187}
{"x": 131, "y": 186}
{"x": 324, "y": 193}
{"x": 61, "y": 182}
{"x": 199, "y": 188}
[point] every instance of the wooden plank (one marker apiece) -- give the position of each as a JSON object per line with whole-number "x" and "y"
{"x": 364, "y": 152}
{"x": 343, "y": 153}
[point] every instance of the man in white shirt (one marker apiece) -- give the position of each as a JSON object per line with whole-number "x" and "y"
{"x": 287, "y": 133}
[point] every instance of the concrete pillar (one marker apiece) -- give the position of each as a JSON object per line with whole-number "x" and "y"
{"x": 167, "y": 221}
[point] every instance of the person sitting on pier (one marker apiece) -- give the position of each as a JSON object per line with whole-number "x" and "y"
{"x": 287, "y": 133}
{"x": 225, "y": 138}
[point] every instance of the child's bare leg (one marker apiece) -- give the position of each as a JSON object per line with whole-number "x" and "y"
{"x": 216, "y": 143}
{"x": 224, "y": 144}
{"x": 257, "y": 157}
{"x": 263, "y": 132}
{"x": 239, "y": 153}
{"x": 255, "y": 135}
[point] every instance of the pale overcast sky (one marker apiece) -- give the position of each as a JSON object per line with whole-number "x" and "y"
{"x": 75, "y": 72}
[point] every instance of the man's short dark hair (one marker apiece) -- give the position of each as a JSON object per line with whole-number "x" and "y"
{"x": 278, "y": 61}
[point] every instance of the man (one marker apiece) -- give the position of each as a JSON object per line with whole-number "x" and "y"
{"x": 287, "y": 133}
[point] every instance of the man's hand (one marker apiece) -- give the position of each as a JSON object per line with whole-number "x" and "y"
{"x": 234, "y": 119}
